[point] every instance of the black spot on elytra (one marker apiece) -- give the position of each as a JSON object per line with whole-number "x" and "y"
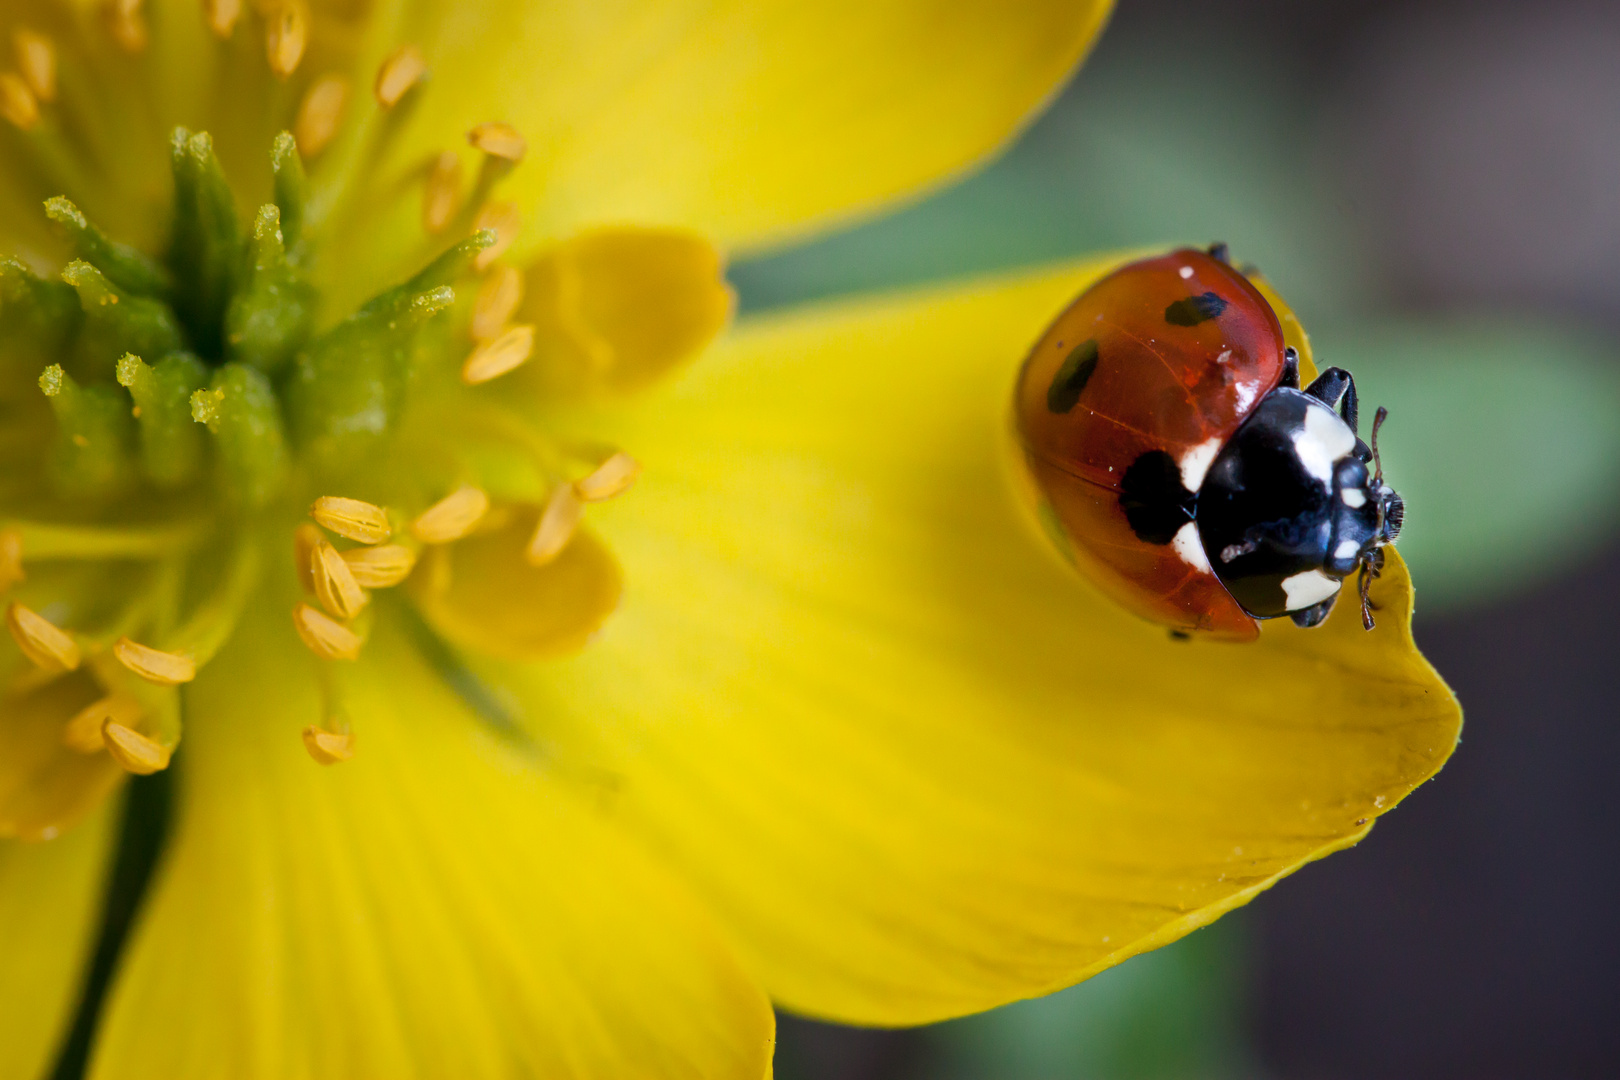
{"x": 1153, "y": 498}
{"x": 1072, "y": 377}
{"x": 1194, "y": 309}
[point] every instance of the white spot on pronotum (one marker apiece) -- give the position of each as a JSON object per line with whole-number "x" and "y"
{"x": 1195, "y": 463}
{"x": 1354, "y": 498}
{"x": 1186, "y": 271}
{"x": 1189, "y": 546}
{"x": 1324, "y": 439}
{"x": 1346, "y": 550}
{"x": 1307, "y": 588}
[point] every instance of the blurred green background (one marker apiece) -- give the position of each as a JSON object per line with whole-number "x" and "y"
{"x": 1348, "y": 151}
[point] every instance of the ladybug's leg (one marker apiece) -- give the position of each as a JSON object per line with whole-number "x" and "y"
{"x": 1315, "y": 615}
{"x": 1218, "y": 251}
{"x": 1337, "y": 387}
{"x": 1290, "y": 375}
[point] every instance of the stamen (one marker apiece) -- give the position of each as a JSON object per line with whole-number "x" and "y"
{"x": 127, "y": 24}
{"x": 335, "y": 586}
{"x": 155, "y": 665}
{"x": 222, "y": 16}
{"x": 557, "y": 524}
{"x": 499, "y": 140}
{"x": 498, "y": 298}
{"x": 452, "y": 517}
{"x": 325, "y": 636}
{"x": 286, "y": 37}
{"x": 48, "y": 646}
{"x": 610, "y": 478}
{"x": 83, "y": 731}
{"x": 134, "y": 752}
{"x": 505, "y": 222}
{"x": 380, "y": 567}
{"x": 306, "y": 538}
{"x": 493, "y": 359}
{"x": 36, "y": 57}
{"x": 328, "y": 747}
{"x": 11, "y": 558}
{"x": 352, "y": 519}
{"x": 443, "y": 192}
{"x": 320, "y": 113}
{"x": 401, "y": 71}
{"x": 17, "y": 102}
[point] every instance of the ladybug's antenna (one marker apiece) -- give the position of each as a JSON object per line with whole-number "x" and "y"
{"x": 1378, "y": 465}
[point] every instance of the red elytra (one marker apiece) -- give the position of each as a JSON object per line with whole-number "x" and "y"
{"x": 1168, "y": 354}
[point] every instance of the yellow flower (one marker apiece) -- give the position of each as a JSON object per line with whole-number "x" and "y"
{"x": 351, "y": 467}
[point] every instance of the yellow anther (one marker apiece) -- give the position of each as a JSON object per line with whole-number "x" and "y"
{"x": 84, "y": 731}
{"x": 401, "y": 71}
{"x": 504, "y": 219}
{"x": 380, "y": 567}
{"x": 41, "y": 640}
{"x": 11, "y": 558}
{"x": 127, "y": 24}
{"x": 495, "y": 358}
{"x": 154, "y": 665}
{"x": 286, "y": 37}
{"x": 17, "y": 102}
{"x": 498, "y": 298}
{"x": 325, "y": 636}
{"x": 352, "y": 519}
{"x": 452, "y": 517}
{"x": 133, "y": 751}
{"x": 557, "y": 524}
{"x": 443, "y": 192}
{"x": 499, "y": 140}
{"x": 222, "y": 16}
{"x": 335, "y": 586}
{"x": 610, "y": 478}
{"x": 36, "y": 59}
{"x": 328, "y": 747}
{"x": 305, "y": 539}
{"x": 320, "y": 113}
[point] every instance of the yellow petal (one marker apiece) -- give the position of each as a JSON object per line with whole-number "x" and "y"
{"x": 749, "y": 122}
{"x": 441, "y": 905}
{"x": 920, "y": 766}
{"x": 614, "y": 309}
{"x": 50, "y": 907}
{"x": 485, "y": 593}
{"x": 46, "y": 785}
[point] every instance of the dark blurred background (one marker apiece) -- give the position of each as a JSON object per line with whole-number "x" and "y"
{"x": 1435, "y": 187}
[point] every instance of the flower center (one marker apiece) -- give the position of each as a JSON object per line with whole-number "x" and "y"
{"x": 176, "y": 424}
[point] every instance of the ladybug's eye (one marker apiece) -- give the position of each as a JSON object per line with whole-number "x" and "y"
{"x": 1394, "y": 516}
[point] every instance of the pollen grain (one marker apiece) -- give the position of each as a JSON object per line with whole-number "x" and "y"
{"x": 41, "y": 640}
{"x": 320, "y": 113}
{"x": 402, "y": 70}
{"x": 380, "y": 567}
{"x": 352, "y": 519}
{"x": 36, "y": 59}
{"x": 154, "y": 665}
{"x": 612, "y": 477}
{"x": 324, "y": 635}
{"x": 452, "y": 517}
{"x": 495, "y": 358}
{"x": 499, "y": 140}
{"x": 134, "y": 752}
{"x": 328, "y": 747}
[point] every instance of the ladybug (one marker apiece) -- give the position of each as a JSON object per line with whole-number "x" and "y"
{"x": 1178, "y": 463}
